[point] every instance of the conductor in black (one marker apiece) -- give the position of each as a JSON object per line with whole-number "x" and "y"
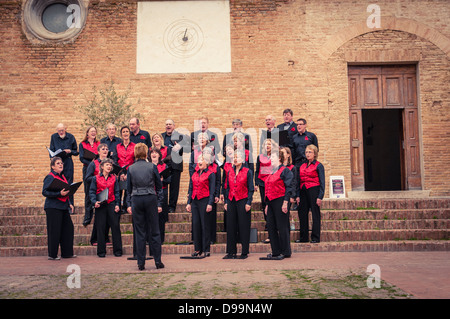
{"x": 145, "y": 197}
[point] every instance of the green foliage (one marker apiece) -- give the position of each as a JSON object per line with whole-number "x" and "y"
{"x": 107, "y": 106}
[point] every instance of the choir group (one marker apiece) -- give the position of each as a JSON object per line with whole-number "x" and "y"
{"x": 140, "y": 174}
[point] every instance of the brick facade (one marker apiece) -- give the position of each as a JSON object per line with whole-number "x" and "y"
{"x": 284, "y": 54}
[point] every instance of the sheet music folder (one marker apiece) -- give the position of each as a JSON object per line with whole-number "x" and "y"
{"x": 89, "y": 155}
{"x": 166, "y": 173}
{"x": 59, "y": 185}
{"x": 102, "y": 197}
{"x": 60, "y": 153}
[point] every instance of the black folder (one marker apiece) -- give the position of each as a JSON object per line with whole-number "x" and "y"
{"x": 58, "y": 185}
{"x": 117, "y": 169}
{"x": 89, "y": 155}
{"x": 60, "y": 153}
{"x": 166, "y": 173}
{"x": 102, "y": 197}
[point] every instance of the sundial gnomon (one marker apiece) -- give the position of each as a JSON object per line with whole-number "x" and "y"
{"x": 183, "y": 38}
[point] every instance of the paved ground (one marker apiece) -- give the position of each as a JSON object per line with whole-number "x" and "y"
{"x": 422, "y": 274}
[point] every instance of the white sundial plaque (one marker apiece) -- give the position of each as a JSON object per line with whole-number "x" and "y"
{"x": 183, "y": 37}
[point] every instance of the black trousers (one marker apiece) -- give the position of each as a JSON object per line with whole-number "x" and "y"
{"x": 201, "y": 225}
{"x": 308, "y": 198}
{"x": 59, "y": 232}
{"x": 212, "y": 217}
{"x": 238, "y": 226}
{"x": 174, "y": 189}
{"x": 278, "y": 227}
{"x": 163, "y": 217}
{"x": 104, "y": 216}
{"x": 146, "y": 226}
{"x": 88, "y": 208}
{"x": 68, "y": 173}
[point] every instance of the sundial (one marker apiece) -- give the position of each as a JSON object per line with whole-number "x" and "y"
{"x": 183, "y": 38}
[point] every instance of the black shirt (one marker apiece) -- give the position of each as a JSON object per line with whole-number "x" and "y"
{"x": 141, "y": 137}
{"x": 68, "y": 142}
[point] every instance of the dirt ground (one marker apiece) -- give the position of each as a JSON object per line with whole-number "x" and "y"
{"x": 251, "y": 284}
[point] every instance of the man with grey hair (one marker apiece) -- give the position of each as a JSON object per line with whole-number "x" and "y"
{"x": 111, "y": 139}
{"x": 63, "y": 140}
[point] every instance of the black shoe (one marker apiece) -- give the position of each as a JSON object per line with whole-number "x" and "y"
{"x": 229, "y": 256}
{"x": 315, "y": 241}
{"x": 132, "y": 258}
{"x": 207, "y": 254}
{"x": 141, "y": 267}
{"x": 243, "y": 256}
{"x": 118, "y": 254}
{"x": 101, "y": 255}
{"x": 159, "y": 265}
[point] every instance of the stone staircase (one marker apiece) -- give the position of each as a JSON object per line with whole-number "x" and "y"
{"x": 347, "y": 225}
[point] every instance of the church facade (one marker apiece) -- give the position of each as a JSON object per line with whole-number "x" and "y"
{"x": 371, "y": 79}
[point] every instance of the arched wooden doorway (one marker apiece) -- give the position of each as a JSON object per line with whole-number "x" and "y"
{"x": 384, "y": 131}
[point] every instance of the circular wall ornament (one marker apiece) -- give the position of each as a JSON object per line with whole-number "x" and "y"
{"x": 53, "y": 21}
{"x": 183, "y": 38}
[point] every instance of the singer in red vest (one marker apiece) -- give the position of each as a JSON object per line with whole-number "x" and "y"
{"x": 202, "y": 187}
{"x": 60, "y": 229}
{"x": 124, "y": 157}
{"x": 278, "y": 193}
{"x": 310, "y": 192}
{"x": 106, "y": 211}
{"x": 157, "y": 159}
{"x": 89, "y": 143}
{"x": 262, "y": 171}
{"x": 238, "y": 195}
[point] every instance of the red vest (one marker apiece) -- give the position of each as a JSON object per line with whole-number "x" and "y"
{"x": 238, "y": 184}
{"x": 63, "y": 178}
{"x": 160, "y": 168}
{"x": 265, "y": 167}
{"x": 94, "y": 148}
{"x": 125, "y": 155}
{"x": 226, "y": 167}
{"x": 163, "y": 151}
{"x": 97, "y": 166}
{"x": 309, "y": 175}
{"x": 275, "y": 185}
{"x": 109, "y": 183}
{"x": 200, "y": 184}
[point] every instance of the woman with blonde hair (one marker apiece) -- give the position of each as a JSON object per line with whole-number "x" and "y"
{"x": 310, "y": 191}
{"x": 263, "y": 170}
{"x": 200, "y": 204}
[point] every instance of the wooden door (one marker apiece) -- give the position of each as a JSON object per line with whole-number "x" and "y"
{"x": 384, "y": 87}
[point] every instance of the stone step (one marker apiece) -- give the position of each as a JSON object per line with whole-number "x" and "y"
{"x": 258, "y": 224}
{"x": 326, "y": 236}
{"x": 334, "y": 204}
{"x": 375, "y": 214}
{"x": 350, "y": 246}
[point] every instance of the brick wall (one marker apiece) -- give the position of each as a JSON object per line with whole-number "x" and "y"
{"x": 277, "y": 62}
